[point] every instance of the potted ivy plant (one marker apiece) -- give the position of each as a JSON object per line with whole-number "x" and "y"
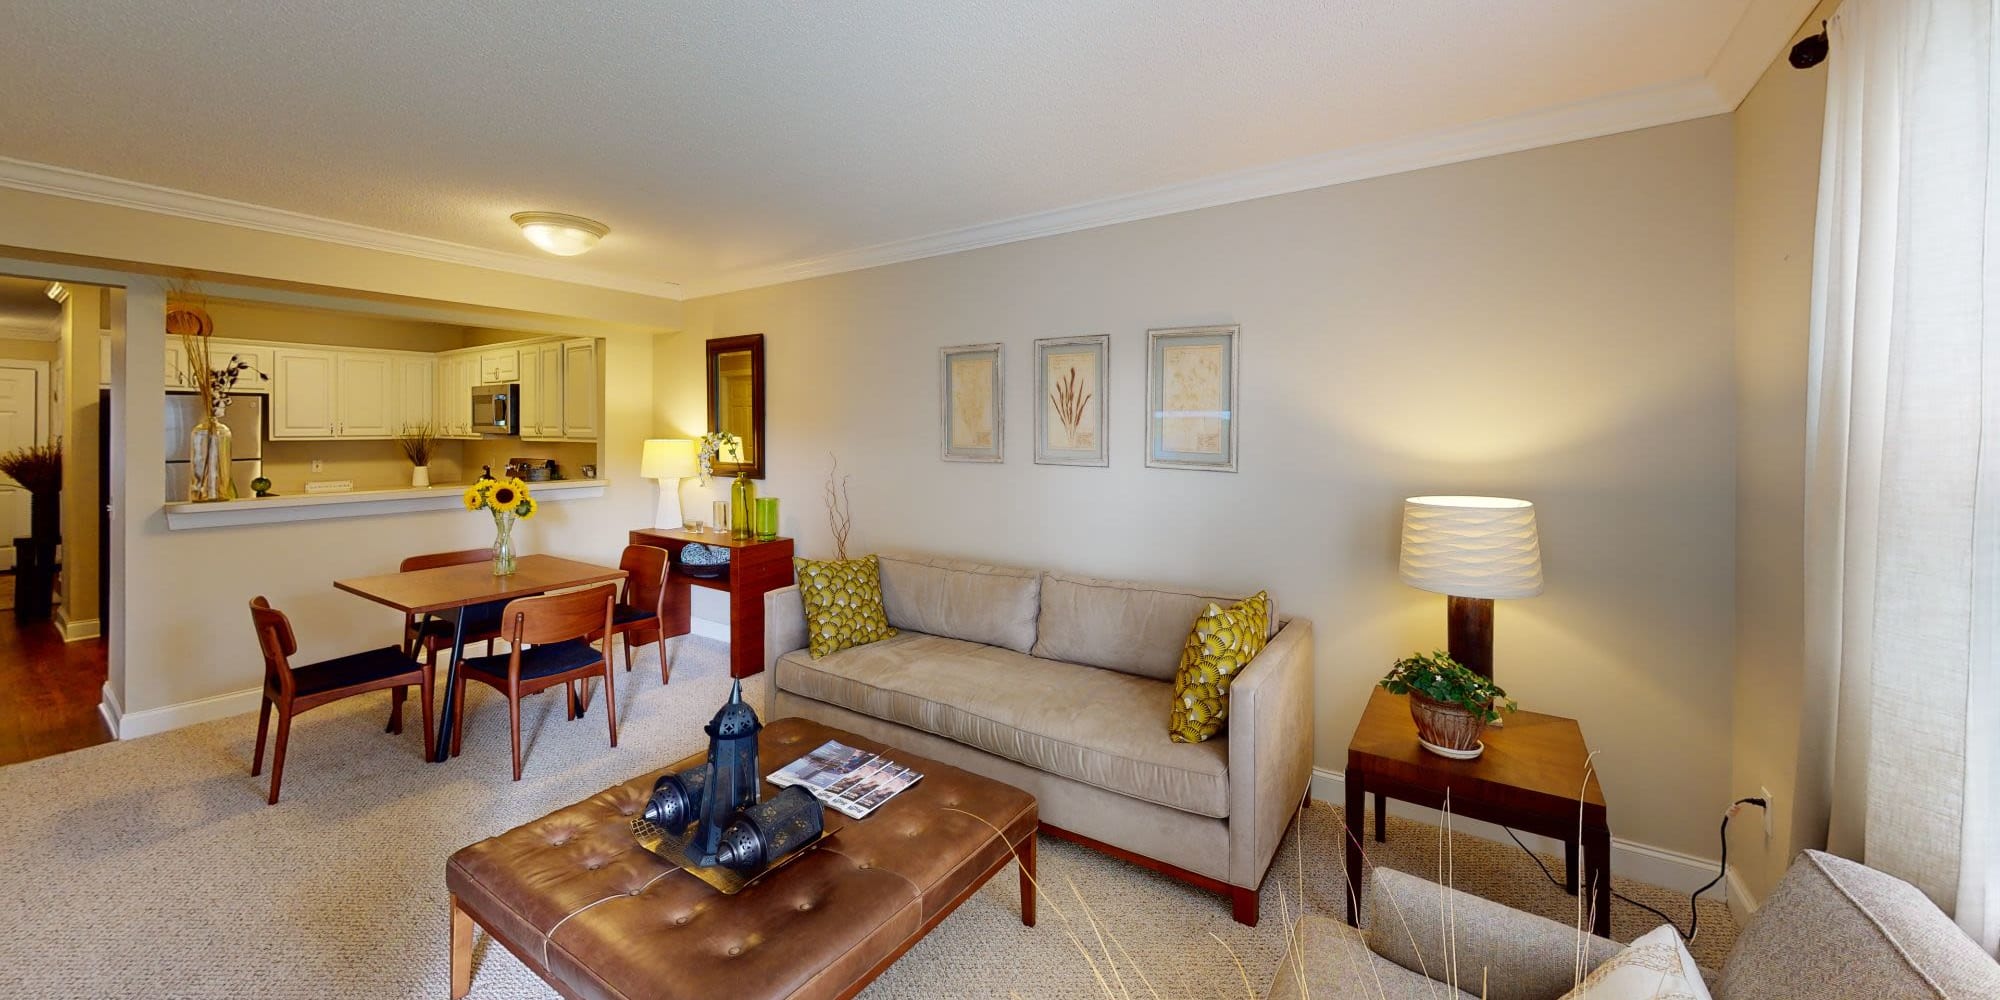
{"x": 1450, "y": 703}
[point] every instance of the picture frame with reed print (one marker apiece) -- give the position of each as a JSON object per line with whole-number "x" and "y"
{"x": 1072, "y": 408}
{"x": 1191, "y": 398}
{"x": 972, "y": 400}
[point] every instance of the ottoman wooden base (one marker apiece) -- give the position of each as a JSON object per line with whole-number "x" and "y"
{"x": 576, "y": 899}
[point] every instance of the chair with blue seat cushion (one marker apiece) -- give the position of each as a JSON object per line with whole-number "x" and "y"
{"x": 643, "y": 606}
{"x": 548, "y": 640}
{"x": 482, "y": 621}
{"x": 294, "y": 689}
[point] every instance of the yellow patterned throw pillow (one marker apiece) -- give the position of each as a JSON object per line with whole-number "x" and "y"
{"x": 843, "y": 599}
{"x": 1223, "y": 641}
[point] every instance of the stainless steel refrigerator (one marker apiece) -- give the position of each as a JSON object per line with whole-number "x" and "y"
{"x": 245, "y": 419}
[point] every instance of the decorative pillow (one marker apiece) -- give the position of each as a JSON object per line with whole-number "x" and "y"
{"x": 843, "y": 600}
{"x": 1656, "y": 966}
{"x": 1223, "y": 640}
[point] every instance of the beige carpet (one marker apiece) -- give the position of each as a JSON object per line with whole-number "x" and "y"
{"x": 153, "y": 868}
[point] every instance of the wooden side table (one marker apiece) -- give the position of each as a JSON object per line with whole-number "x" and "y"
{"x": 1531, "y": 777}
{"x": 755, "y": 568}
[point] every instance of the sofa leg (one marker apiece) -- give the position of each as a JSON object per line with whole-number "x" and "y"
{"x": 1243, "y": 905}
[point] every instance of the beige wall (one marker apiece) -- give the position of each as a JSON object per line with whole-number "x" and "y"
{"x": 83, "y": 318}
{"x": 1552, "y": 324}
{"x": 1775, "y": 747}
{"x": 30, "y": 350}
{"x": 296, "y": 325}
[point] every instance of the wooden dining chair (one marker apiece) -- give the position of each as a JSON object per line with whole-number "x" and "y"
{"x": 294, "y": 689}
{"x": 482, "y": 621}
{"x": 643, "y": 606}
{"x": 549, "y": 645}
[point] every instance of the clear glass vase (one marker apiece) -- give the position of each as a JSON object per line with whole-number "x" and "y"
{"x": 208, "y": 462}
{"x": 503, "y": 544}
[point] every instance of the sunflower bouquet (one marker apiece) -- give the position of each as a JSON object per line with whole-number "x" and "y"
{"x": 509, "y": 500}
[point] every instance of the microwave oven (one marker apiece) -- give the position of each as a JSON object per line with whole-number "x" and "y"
{"x": 496, "y": 409}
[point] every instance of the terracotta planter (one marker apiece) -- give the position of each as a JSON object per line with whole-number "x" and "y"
{"x": 1442, "y": 724}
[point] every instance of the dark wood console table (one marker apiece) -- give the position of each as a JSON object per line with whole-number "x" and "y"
{"x": 1534, "y": 776}
{"x": 755, "y": 568}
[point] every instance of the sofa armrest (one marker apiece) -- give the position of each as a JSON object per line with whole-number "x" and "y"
{"x": 784, "y": 630}
{"x": 1270, "y": 749}
{"x": 1516, "y": 955}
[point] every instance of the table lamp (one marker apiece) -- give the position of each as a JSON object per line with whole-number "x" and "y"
{"x": 1472, "y": 550}
{"x": 668, "y": 460}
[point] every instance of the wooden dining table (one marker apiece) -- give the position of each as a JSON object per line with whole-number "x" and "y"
{"x": 449, "y": 590}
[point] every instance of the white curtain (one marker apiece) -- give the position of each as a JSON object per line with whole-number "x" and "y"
{"x": 1903, "y": 461}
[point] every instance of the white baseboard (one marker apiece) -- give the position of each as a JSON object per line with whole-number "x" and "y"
{"x": 107, "y": 706}
{"x": 88, "y": 628}
{"x": 719, "y": 631}
{"x": 132, "y": 725}
{"x": 1629, "y": 859}
{"x": 1743, "y": 903}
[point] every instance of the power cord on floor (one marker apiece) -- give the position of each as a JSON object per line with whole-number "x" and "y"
{"x": 1694, "y": 912}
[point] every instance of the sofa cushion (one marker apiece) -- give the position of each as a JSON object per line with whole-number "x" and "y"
{"x": 1837, "y": 930}
{"x": 1222, "y": 642}
{"x": 1095, "y": 726}
{"x": 843, "y": 603}
{"x": 1655, "y": 966}
{"x": 1326, "y": 960}
{"x": 1517, "y": 955}
{"x": 1133, "y": 628}
{"x": 962, "y": 600}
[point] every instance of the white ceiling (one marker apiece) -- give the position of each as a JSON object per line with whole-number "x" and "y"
{"x": 731, "y": 144}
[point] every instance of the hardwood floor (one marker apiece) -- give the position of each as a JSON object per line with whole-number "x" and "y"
{"x": 48, "y": 691}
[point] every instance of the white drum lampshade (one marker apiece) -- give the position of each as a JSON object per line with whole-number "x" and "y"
{"x": 1474, "y": 550}
{"x": 669, "y": 460}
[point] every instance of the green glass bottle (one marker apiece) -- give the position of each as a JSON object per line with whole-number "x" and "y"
{"x": 742, "y": 507}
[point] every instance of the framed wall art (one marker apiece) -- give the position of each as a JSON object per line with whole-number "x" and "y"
{"x": 1191, "y": 405}
{"x": 971, "y": 394}
{"x": 1072, "y": 376}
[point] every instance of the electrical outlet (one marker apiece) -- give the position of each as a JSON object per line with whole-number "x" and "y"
{"x": 318, "y": 466}
{"x": 1770, "y": 806}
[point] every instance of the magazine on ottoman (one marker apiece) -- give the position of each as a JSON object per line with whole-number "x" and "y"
{"x": 855, "y": 782}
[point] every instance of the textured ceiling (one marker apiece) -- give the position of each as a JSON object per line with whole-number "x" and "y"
{"x": 717, "y": 138}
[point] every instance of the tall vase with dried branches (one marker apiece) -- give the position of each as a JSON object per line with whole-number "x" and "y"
{"x": 839, "y": 513}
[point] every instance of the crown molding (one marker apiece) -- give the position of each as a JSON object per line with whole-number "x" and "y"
{"x": 21, "y": 329}
{"x": 1624, "y": 112}
{"x": 63, "y": 182}
{"x": 1763, "y": 32}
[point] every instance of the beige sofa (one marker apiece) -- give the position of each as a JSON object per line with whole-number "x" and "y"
{"x": 1061, "y": 685}
{"x": 1832, "y": 930}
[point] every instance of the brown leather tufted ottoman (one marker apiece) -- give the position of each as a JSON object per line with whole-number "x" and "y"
{"x": 595, "y": 915}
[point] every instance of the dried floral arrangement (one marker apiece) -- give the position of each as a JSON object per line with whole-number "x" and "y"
{"x": 188, "y": 319}
{"x": 419, "y": 442}
{"x": 37, "y": 467}
{"x": 1069, "y": 398}
{"x": 712, "y": 444}
{"x": 839, "y": 513}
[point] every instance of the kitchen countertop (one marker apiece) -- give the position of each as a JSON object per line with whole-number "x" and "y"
{"x": 355, "y": 503}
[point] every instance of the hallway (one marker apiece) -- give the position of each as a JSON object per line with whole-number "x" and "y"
{"x": 49, "y": 690}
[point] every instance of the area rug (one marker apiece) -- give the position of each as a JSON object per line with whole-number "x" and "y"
{"x": 152, "y": 868}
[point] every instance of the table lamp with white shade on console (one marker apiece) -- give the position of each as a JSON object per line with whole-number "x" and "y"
{"x": 669, "y": 460}
{"x": 1473, "y": 550}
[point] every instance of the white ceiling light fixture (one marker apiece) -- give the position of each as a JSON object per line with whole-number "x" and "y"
{"x": 560, "y": 234}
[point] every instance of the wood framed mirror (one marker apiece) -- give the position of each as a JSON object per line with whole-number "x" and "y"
{"x": 736, "y": 401}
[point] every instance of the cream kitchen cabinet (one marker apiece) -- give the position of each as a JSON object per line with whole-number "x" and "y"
{"x": 177, "y": 375}
{"x": 500, "y": 366}
{"x": 542, "y": 391}
{"x": 416, "y": 390}
{"x": 332, "y": 394}
{"x": 456, "y": 375}
{"x": 260, "y": 357}
{"x": 580, "y": 382}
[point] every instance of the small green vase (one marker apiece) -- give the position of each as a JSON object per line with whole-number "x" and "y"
{"x": 742, "y": 507}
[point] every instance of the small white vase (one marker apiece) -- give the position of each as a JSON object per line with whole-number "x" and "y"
{"x": 420, "y": 477}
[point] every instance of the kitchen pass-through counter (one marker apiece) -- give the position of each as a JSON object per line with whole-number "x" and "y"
{"x": 356, "y": 503}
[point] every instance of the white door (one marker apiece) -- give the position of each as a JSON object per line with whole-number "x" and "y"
{"x": 364, "y": 400}
{"x": 580, "y": 389}
{"x": 20, "y": 410}
{"x": 302, "y": 395}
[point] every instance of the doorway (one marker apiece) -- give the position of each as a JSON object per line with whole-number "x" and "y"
{"x": 52, "y": 654}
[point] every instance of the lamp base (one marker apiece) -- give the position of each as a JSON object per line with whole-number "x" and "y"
{"x": 668, "y": 514}
{"x": 1469, "y": 625}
